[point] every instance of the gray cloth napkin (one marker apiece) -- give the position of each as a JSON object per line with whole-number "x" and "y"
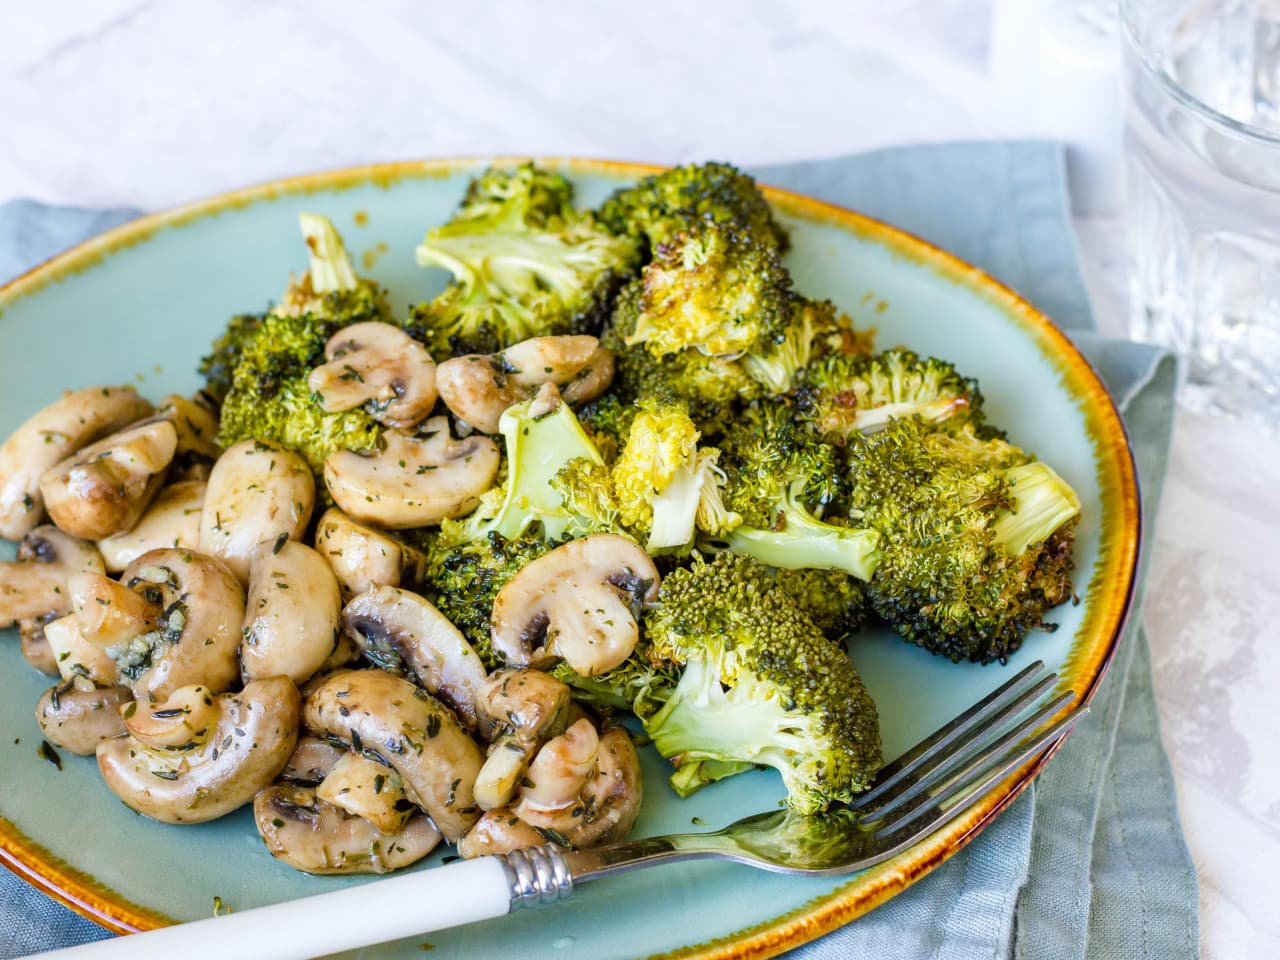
{"x": 1088, "y": 863}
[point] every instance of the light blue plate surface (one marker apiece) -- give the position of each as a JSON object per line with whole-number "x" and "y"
{"x": 142, "y": 305}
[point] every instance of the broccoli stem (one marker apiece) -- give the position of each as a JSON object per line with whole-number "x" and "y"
{"x": 1042, "y": 502}
{"x": 723, "y": 732}
{"x": 330, "y": 266}
{"x": 803, "y": 542}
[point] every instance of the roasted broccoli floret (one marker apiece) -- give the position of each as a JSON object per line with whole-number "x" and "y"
{"x": 659, "y": 207}
{"x": 663, "y": 484}
{"x": 835, "y": 601}
{"x": 758, "y": 684}
{"x": 840, "y": 393}
{"x": 710, "y": 387}
{"x": 976, "y": 536}
{"x": 715, "y": 289}
{"x": 814, "y": 328}
{"x": 524, "y": 264}
{"x": 266, "y": 360}
{"x": 779, "y": 475}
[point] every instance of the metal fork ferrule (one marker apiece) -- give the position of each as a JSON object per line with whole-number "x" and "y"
{"x": 536, "y": 876}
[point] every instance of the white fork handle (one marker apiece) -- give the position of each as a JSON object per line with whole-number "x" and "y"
{"x": 358, "y": 916}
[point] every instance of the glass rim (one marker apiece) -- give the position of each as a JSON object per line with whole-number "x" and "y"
{"x": 1248, "y": 131}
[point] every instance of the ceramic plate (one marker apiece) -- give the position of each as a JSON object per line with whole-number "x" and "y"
{"x": 140, "y": 304}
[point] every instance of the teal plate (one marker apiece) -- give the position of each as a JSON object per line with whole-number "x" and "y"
{"x": 140, "y": 304}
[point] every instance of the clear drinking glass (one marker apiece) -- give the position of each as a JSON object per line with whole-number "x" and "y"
{"x": 1202, "y": 137}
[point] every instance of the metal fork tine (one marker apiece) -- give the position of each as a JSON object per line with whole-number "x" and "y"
{"x": 995, "y": 760}
{"x": 943, "y": 763}
{"x": 893, "y": 774}
{"x": 942, "y": 816}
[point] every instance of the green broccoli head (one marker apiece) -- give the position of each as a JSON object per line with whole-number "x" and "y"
{"x": 524, "y": 264}
{"x": 779, "y": 475}
{"x": 260, "y": 365}
{"x": 758, "y": 684}
{"x": 976, "y": 537}
{"x": 715, "y": 289}
{"x": 836, "y": 602}
{"x": 841, "y": 394}
{"x": 662, "y": 206}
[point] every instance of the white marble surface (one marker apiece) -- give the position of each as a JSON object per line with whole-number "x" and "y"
{"x": 152, "y": 103}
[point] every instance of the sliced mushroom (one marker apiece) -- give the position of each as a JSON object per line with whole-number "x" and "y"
{"x": 35, "y": 645}
{"x": 498, "y": 831}
{"x": 380, "y": 365}
{"x": 360, "y": 556}
{"x": 76, "y": 657}
{"x": 292, "y": 612}
{"x": 611, "y": 799}
{"x": 311, "y": 761}
{"x": 602, "y": 810}
{"x": 518, "y": 710}
{"x": 185, "y": 720}
{"x": 79, "y": 720}
{"x": 197, "y": 428}
{"x": 316, "y": 837}
{"x": 578, "y": 603}
{"x": 418, "y": 736}
{"x": 258, "y": 492}
{"x": 34, "y": 585}
{"x": 197, "y": 633}
{"x": 396, "y": 629}
{"x": 104, "y": 488}
{"x": 248, "y": 745}
{"x": 557, "y": 775}
{"x": 53, "y": 434}
{"x": 367, "y": 789}
{"x": 108, "y": 612}
{"x": 414, "y": 481}
{"x": 172, "y": 520}
{"x": 478, "y": 388}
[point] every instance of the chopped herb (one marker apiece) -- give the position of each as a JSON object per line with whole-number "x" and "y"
{"x": 50, "y": 754}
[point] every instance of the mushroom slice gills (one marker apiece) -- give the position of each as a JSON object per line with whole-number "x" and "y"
{"x": 197, "y": 632}
{"x": 393, "y": 721}
{"x": 314, "y": 836}
{"x": 368, "y": 789}
{"x": 578, "y": 603}
{"x": 292, "y": 611}
{"x": 50, "y": 436}
{"x": 258, "y": 492}
{"x": 311, "y": 761}
{"x": 414, "y": 481}
{"x": 249, "y": 743}
{"x": 104, "y": 488}
{"x": 172, "y": 520}
{"x": 78, "y": 720}
{"x": 360, "y": 556}
{"x": 34, "y": 585}
{"x": 400, "y": 631}
{"x": 379, "y": 365}
{"x": 479, "y": 387}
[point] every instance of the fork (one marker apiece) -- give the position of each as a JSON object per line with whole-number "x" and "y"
{"x": 926, "y": 788}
